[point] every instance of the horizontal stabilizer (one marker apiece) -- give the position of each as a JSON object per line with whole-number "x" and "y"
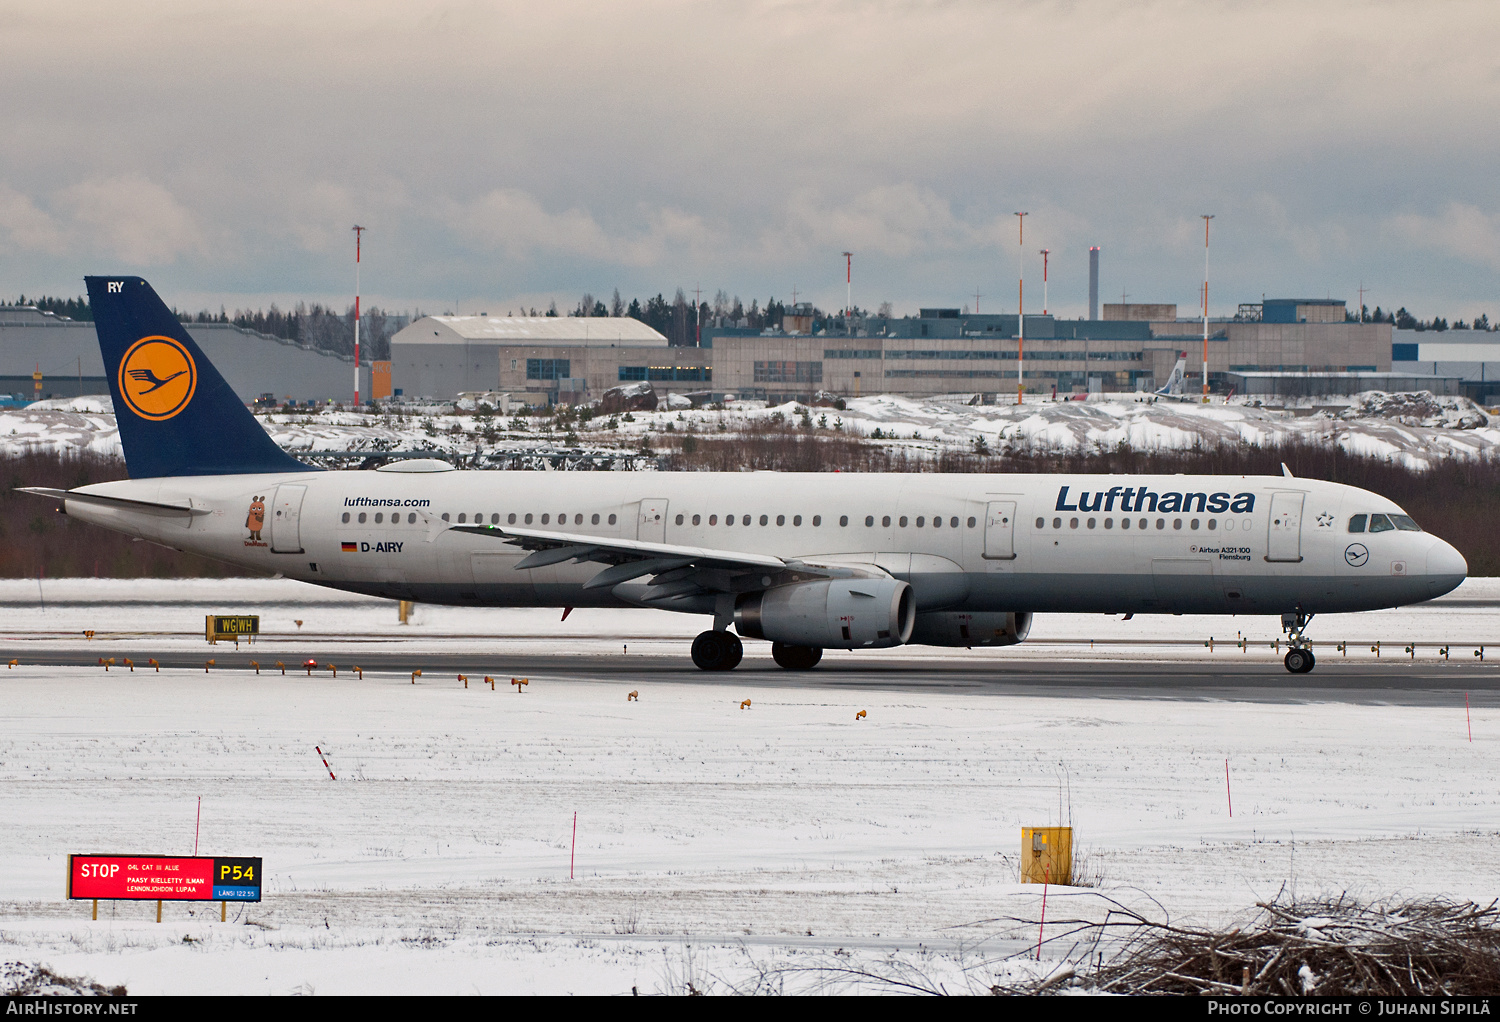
{"x": 144, "y": 507}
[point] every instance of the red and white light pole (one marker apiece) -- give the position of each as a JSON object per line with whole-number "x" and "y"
{"x": 358, "y": 231}
{"x": 1206, "y": 218}
{"x": 848, "y": 289}
{"x": 1021, "y": 306}
{"x": 1045, "y": 253}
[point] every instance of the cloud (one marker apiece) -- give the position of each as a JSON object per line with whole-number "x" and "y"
{"x": 514, "y": 222}
{"x": 28, "y": 228}
{"x": 1461, "y": 230}
{"x": 135, "y": 220}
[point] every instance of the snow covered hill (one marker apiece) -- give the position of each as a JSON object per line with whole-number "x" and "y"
{"x": 1415, "y": 429}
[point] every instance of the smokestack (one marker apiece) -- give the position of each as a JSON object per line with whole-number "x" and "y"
{"x": 1094, "y": 282}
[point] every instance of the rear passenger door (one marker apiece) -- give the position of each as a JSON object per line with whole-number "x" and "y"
{"x": 1000, "y": 530}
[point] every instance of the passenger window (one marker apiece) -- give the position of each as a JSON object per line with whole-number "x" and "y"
{"x": 545, "y": 518}
{"x": 713, "y": 519}
{"x": 1072, "y": 523}
{"x": 1193, "y": 524}
{"x": 1057, "y": 523}
{"x": 1405, "y": 524}
{"x": 953, "y": 523}
{"x": 1124, "y": 523}
{"x": 729, "y": 519}
{"x": 920, "y": 521}
{"x": 745, "y": 520}
{"x": 902, "y": 523}
{"x": 1109, "y": 523}
{"x": 972, "y": 522}
{"x": 494, "y": 519}
{"x": 781, "y": 519}
{"x": 869, "y": 521}
{"x": 796, "y": 520}
{"x": 362, "y": 517}
{"x": 696, "y": 519}
{"x": 1161, "y": 523}
{"x": 445, "y": 517}
{"x": 1177, "y": 524}
{"x": 1380, "y": 523}
{"x": 1213, "y": 523}
{"x": 611, "y": 519}
{"x": 843, "y": 521}
{"x": 479, "y": 518}
{"x": 461, "y": 518}
{"x": 578, "y": 519}
{"x": 1041, "y": 523}
{"x": 592, "y": 521}
{"x": 411, "y": 519}
{"x": 528, "y": 517}
{"x": 346, "y": 517}
{"x": 817, "y": 520}
{"x": 1142, "y": 523}
{"x": 763, "y": 520}
{"x": 1093, "y": 522}
{"x": 885, "y": 522}
{"x": 679, "y": 519}
{"x": 379, "y": 517}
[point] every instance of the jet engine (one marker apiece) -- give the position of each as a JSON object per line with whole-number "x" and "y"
{"x": 857, "y": 613}
{"x": 950, "y": 628}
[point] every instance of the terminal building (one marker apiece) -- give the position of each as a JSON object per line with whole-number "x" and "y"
{"x": 66, "y": 354}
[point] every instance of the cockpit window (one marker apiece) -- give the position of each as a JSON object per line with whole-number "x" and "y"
{"x": 1380, "y": 523}
{"x": 1357, "y": 523}
{"x": 1405, "y": 524}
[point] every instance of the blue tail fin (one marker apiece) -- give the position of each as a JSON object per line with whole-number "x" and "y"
{"x": 177, "y": 416}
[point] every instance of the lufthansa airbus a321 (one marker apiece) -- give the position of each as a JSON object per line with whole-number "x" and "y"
{"x": 806, "y": 562}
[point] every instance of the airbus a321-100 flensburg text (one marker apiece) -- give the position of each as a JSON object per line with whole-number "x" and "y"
{"x": 808, "y": 562}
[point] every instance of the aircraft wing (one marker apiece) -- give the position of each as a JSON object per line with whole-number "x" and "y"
{"x": 676, "y": 570}
{"x": 118, "y": 503}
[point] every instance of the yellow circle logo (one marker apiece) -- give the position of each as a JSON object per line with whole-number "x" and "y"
{"x": 157, "y": 377}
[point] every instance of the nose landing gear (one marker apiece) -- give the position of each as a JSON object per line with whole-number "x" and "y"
{"x": 1299, "y": 659}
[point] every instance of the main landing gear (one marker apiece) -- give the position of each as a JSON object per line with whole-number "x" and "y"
{"x": 796, "y": 658}
{"x": 718, "y": 651}
{"x": 723, "y": 651}
{"x": 1299, "y": 659}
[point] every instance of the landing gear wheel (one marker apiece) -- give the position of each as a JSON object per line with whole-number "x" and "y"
{"x": 796, "y": 658}
{"x": 1300, "y": 661}
{"x": 718, "y": 651}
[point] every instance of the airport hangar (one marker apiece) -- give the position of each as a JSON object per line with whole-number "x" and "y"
{"x": 940, "y": 351}
{"x": 66, "y": 352}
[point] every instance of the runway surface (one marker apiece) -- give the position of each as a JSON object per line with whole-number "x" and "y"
{"x": 1393, "y": 679}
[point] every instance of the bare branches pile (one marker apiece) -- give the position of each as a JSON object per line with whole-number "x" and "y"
{"x": 1325, "y": 947}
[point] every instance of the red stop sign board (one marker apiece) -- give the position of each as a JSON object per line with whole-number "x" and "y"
{"x": 163, "y": 878}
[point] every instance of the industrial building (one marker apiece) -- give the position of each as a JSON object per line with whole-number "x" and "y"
{"x": 1472, "y": 356}
{"x": 550, "y": 358}
{"x": 66, "y": 354}
{"x": 940, "y": 351}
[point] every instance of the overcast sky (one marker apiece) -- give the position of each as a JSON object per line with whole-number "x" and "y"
{"x": 504, "y": 154}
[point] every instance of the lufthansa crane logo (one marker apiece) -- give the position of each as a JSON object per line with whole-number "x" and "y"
{"x": 1356, "y": 554}
{"x": 157, "y": 377}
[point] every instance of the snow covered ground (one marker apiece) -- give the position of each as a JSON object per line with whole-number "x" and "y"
{"x": 716, "y": 845}
{"x": 1416, "y": 429}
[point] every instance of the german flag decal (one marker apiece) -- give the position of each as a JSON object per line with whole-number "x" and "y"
{"x": 350, "y": 548}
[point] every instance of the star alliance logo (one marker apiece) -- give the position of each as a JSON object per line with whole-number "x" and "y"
{"x": 1325, "y": 520}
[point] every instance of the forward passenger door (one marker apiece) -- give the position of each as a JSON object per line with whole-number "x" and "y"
{"x": 1284, "y": 539}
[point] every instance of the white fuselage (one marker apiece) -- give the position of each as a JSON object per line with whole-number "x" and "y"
{"x": 978, "y": 543}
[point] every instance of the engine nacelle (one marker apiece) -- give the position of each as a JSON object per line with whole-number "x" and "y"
{"x": 950, "y": 628}
{"x": 855, "y": 613}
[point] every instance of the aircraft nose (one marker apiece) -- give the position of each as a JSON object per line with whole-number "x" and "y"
{"x": 1446, "y": 567}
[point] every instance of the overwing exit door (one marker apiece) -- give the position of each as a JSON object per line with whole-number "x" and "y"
{"x": 652, "y": 525}
{"x": 1000, "y": 530}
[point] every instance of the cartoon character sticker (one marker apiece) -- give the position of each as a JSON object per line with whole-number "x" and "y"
{"x": 256, "y": 520}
